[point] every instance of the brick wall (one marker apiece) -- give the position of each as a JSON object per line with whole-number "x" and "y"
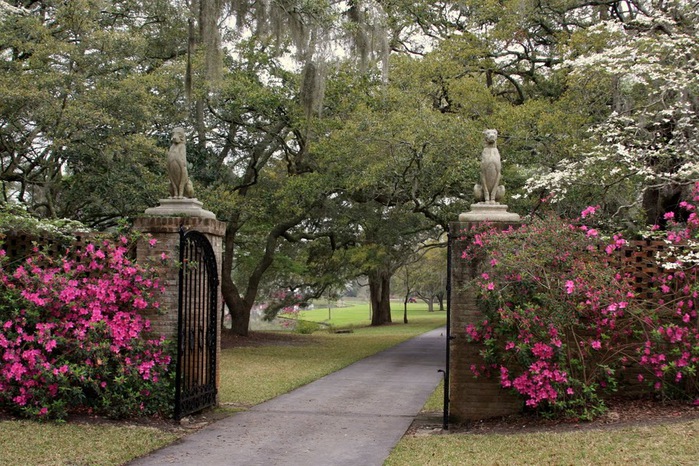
{"x": 166, "y": 231}
{"x": 470, "y": 398}
{"x": 638, "y": 262}
{"x": 481, "y": 398}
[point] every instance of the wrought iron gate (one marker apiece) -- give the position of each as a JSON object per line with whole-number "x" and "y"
{"x": 197, "y": 326}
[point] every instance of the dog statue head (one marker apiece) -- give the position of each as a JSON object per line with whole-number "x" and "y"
{"x": 178, "y": 136}
{"x": 491, "y": 136}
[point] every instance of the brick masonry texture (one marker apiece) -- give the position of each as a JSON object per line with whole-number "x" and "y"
{"x": 481, "y": 398}
{"x": 166, "y": 231}
{"x": 470, "y": 398}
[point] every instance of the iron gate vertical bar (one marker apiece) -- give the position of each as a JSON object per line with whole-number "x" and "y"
{"x": 213, "y": 326}
{"x": 191, "y": 322}
{"x": 196, "y": 317}
{"x": 445, "y": 420}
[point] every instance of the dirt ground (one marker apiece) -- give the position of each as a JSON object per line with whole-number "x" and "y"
{"x": 228, "y": 340}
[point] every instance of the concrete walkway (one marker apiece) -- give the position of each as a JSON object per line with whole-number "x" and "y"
{"x": 354, "y": 416}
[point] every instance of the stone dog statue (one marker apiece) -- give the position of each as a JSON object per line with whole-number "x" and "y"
{"x": 180, "y": 184}
{"x": 490, "y": 190}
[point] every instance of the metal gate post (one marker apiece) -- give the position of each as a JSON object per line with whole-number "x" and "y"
{"x": 445, "y": 420}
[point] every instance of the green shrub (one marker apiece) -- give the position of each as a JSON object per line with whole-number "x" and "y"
{"x": 306, "y": 327}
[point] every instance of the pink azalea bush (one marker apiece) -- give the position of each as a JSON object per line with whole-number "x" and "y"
{"x": 71, "y": 336}
{"x": 562, "y": 325}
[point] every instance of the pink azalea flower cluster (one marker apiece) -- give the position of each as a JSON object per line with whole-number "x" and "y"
{"x": 562, "y": 325}
{"x": 71, "y": 335}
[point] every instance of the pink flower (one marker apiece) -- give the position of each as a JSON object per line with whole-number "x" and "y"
{"x": 152, "y": 242}
{"x": 50, "y": 345}
{"x": 472, "y": 332}
{"x": 542, "y": 351}
{"x": 589, "y": 211}
{"x": 570, "y": 286}
{"x": 596, "y": 344}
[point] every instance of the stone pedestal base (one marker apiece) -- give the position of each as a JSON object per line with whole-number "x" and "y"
{"x": 183, "y": 207}
{"x": 489, "y": 212}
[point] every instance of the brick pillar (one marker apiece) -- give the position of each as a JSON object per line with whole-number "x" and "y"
{"x": 166, "y": 231}
{"x": 470, "y": 398}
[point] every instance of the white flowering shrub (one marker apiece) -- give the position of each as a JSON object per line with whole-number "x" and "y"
{"x": 649, "y": 139}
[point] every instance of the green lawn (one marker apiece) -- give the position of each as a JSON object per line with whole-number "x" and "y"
{"x": 33, "y": 443}
{"x": 249, "y": 375}
{"x": 357, "y": 314}
{"x": 651, "y": 445}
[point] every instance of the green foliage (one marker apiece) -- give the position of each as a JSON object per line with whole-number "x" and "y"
{"x": 83, "y": 93}
{"x": 306, "y": 327}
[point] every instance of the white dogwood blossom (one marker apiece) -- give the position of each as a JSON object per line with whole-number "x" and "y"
{"x": 6, "y": 8}
{"x": 650, "y": 136}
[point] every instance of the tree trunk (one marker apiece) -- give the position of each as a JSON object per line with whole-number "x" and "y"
{"x": 430, "y": 305}
{"x": 239, "y": 309}
{"x": 240, "y": 320}
{"x": 240, "y": 306}
{"x": 379, "y": 292}
{"x": 405, "y": 310}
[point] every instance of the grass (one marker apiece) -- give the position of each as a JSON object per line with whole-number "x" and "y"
{"x": 33, "y": 443}
{"x": 435, "y": 403}
{"x": 357, "y": 314}
{"x": 249, "y": 375}
{"x": 657, "y": 444}
{"x": 660, "y": 445}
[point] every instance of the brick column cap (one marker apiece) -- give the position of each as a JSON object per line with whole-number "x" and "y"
{"x": 209, "y": 226}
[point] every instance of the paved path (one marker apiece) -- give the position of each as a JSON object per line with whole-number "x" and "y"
{"x": 354, "y": 416}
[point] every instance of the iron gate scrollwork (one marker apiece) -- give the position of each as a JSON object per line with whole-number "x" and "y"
{"x": 197, "y": 326}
